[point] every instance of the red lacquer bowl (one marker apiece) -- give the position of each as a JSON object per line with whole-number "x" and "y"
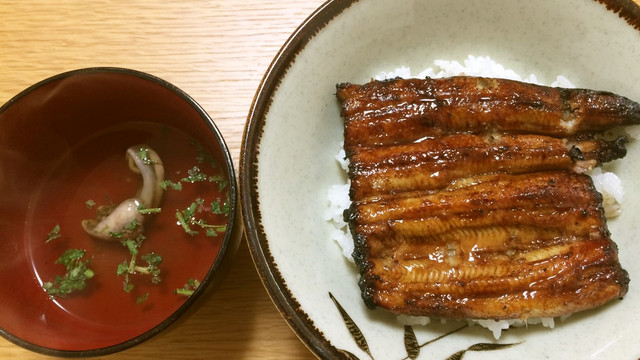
{"x": 62, "y": 149}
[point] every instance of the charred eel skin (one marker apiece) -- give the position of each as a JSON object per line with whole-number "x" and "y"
{"x": 401, "y": 110}
{"x": 469, "y": 199}
{"x": 433, "y": 163}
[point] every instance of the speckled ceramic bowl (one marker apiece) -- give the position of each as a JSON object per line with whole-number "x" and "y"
{"x": 295, "y": 130}
{"x": 62, "y": 155}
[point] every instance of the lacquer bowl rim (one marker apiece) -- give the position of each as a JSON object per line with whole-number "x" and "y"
{"x": 229, "y": 244}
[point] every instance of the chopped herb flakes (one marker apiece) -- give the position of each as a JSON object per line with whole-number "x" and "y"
{"x": 187, "y": 218}
{"x": 195, "y": 175}
{"x": 54, "y": 233}
{"x": 221, "y": 181}
{"x": 166, "y": 184}
{"x": 188, "y": 288}
{"x": 144, "y": 211}
{"x": 142, "y": 298}
{"x": 203, "y": 156}
{"x": 143, "y": 154}
{"x": 76, "y": 276}
{"x": 131, "y": 236}
{"x": 131, "y": 267}
{"x": 218, "y": 209}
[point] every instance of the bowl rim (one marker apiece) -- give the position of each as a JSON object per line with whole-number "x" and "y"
{"x": 273, "y": 281}
{"x": 257, "y": 241}
{"x": 229, "y": 244}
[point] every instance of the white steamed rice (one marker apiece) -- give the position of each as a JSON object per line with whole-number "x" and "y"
{"x": 605, "y": 182}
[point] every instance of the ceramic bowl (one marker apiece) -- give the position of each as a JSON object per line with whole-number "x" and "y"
{"x": 62, "y": 156}
{"x": 294, "y": 133}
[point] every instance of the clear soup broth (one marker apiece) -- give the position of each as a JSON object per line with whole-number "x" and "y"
{"x": 63, "y": 145}
{"x": 96, "y": 171}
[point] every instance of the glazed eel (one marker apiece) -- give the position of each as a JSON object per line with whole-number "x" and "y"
{"x": 469, "y": 198}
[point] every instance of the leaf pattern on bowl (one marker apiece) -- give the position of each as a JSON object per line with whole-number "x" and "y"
{"x": 355, "y": 332}
{"x": 480, "y": 347}
{"x": 411, "y": 344}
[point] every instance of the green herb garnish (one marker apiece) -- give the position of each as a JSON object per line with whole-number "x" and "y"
{"x": 143, "y": 154}
{"x": 165, "y": 184}
{"x": 195, "y": 175}
{"x": 144, "y": 211}
{"x": 142, "y": 298}
{"x": 54, "y": 233}
{"x": 211, "y": 230}
{"x": 218, "y": 209}
{"x": 153, "y": 261}
{"x": 220, "y": 180}
{"x": 129, "y": 231}
{"x": 203, "y": 156}
{"x": 131, "y": 236}
{"x": 76, "y": 276}
{"x": 130, "y": 267}
{"x": 187, "y": 219}
{"x": 131, "y": 225}
{"x": 188, "y": 288}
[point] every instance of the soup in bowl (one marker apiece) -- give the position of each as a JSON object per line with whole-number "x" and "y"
{"x": 118, "y": 210}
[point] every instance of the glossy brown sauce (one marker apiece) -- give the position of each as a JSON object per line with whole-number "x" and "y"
{"x": 469, "y": 198}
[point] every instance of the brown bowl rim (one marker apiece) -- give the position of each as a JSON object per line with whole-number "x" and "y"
{"x": 258, "y": 244}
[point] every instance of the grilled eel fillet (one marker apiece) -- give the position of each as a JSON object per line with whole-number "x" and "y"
{"x": 469, "y": 199}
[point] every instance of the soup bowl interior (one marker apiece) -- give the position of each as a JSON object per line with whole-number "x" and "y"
{"x": 295, "y": 132}
{"x": 62, "y": 156}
